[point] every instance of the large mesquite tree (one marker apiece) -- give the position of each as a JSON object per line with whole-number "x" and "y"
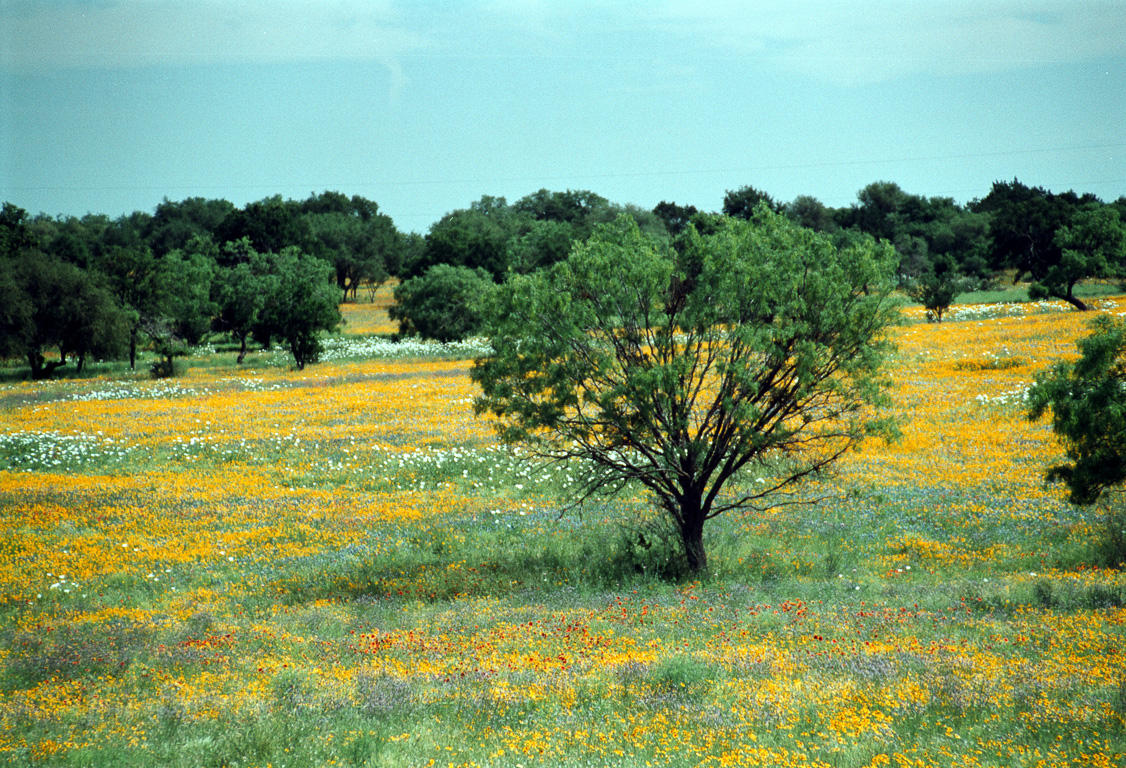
{"x": 758, "y": 346}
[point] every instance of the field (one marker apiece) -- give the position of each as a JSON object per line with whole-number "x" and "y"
{"x": 253, "y": 566}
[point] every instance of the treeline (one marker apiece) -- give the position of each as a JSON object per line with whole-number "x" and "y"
{"x": 274, "y": 271}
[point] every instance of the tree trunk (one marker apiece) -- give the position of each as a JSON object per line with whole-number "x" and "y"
{"x": 241, "y": 350}
{"x": 42, "y": 368}
{"x": 1074, "y": 300}
{"x": 133, "y": 350}
{"x": 35, "y": 360}
{"x": 693, "y": 539}
{"x": 692, "y": 533}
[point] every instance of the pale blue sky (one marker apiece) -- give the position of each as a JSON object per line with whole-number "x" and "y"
{"x": 107, "y": 106}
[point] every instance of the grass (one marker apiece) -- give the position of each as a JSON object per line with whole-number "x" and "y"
{"x": 254, "y": 566}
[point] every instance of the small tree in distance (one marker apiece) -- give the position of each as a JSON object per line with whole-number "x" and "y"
{"x": 759, "y": 346}
{"x": 937, "y": 289}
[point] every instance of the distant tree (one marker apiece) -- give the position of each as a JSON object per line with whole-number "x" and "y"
{"x": 759, "y": 346}
{"x": 300, "y": 304}
{"x": 1024, "y": 227}
{"x": 647, "y": 221}
{"x": 175, "y": 224}
{"x": 809, "y": 212}
{"x": 541, "y": 244}
{"x": 136, "y": 279}
{"x": 675, "y": 217}
{"x": 271, "y": 225}
{"x": 937, "y": 288}
{"x": 921, "y": 229}
{"x": 239, "y": 294}
{"x": 16, "y": 235}
{"x": 55, "y": 305}
{"x": 1092, "y": 244}
{"x": 361, "y": 243}
{"x": 741, "y": 203}
{"x": 412, "y": 256}
{"x": 881, "y": 208}
{"x": 475, "y": 238}
{"x": 446, "y": 303}
{"x": 15, "y": 313}
{"x": 580, "y": 208}
{"x": 181, "y": 308}
{"x": 354, "y": 247}
{"x": 1087, "y": 400}
{"x": 167, "y": 299}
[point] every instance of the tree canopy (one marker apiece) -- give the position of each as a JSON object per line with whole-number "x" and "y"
{"x": 444, "y": 304}
{"x": 759, "y": 347}
{"x": 1057, "y": 239}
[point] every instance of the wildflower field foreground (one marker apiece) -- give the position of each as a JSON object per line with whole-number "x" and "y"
{"x": 252, "y": 566}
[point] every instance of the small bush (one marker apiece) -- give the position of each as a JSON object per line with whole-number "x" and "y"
{"x": 1110, "y": 550}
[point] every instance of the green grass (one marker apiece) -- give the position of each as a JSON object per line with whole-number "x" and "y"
{"x": 1019, "y": 294}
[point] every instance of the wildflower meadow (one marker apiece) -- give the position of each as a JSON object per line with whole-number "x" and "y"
{"x": 256, "y": 566}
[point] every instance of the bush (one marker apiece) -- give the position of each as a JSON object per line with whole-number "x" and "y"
{"x": 444, "y": 304}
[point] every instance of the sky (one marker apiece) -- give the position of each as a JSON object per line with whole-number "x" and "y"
{"x": 110, "y": 106}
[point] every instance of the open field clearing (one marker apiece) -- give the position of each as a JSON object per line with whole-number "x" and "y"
{"x": 340, "y": 566}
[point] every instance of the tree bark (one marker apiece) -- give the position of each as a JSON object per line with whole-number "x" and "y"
{"x": 692, "y": 532}
{"x": 1074, "y": 300}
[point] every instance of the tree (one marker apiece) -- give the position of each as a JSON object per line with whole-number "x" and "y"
{"x": 16, "y": 236}
{"x": 937, "y": 289}
{"x": 1092, "y": 244}
{"x": 675, "y": 217}
{"x": 239, "y": 292}
{"x": 758, "y": 347}
{"x": 809, "y": 212}
{"x": 168, "y": 298}
{"x": 542, "y": 244}
{"x": 175, "y": 224}
{"x": 271, "y": 224}
{"x": 178, "y": 314}
{"x": 361, "y": 244}
{"x": 300, "y": 304}
{"x": 1087, "y": 400}
{"x": 575, "y": 206}
{"x": 1025, "y": 232}
{"x": 741, "y": 203}
{"x": 476, "y": 237}
{"x": 50, "y": 304}
{"x": 445, "y": 304}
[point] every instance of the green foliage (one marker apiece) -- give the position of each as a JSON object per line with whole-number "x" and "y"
{"x": 937, "y": 289}
{"x": 239, "y": 292}
{"x": 300, "y": 303}
{"x": 475, "y": 238}
{"x": 1058, "y": 239}
{"x": 1088, "y": 403}
{"x": 50, "y": 304}
{"x": 445, "y": 303}
{"x": 759, "y": 341}
{"x": 741, "y": 203}
{"x": 360, "y": 243}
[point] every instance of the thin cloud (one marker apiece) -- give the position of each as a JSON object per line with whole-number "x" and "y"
{"x": 133, "y": 33}
{"x": 875, "y": 40}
